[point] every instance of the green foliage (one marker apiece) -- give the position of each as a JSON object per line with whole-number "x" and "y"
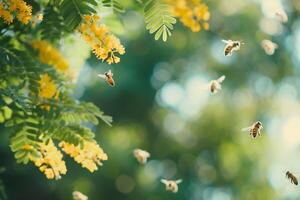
{"x": 26, "y": 136}
{"x": 53, "y": 26}
{"x": 73, "y": 10}
{"x": 158, "y": 18}
{"x": 85, "y": 112}
{"x": 114, "y": 4}
{"x": 73, "y": 134}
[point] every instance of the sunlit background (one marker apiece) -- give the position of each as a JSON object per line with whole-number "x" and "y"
{"x": 159, "y": 105}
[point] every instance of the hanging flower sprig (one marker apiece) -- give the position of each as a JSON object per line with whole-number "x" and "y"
{"x": 50, "y": 160}
{"x": 105, "y": 45}
{"x": 15, "y": 8}
{"x": 89, "y": 156}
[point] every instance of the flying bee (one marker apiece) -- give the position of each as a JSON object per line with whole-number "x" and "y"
{"x": 171, "y": 185}
{"x": 37, "y": 18}
{"x": 215, "y": 85}
{"x": 141, "y": 155}
{"x": 255, "y": 129}
{"x": 269, "y": 46}
{"x": 231, "y": 46}
{"x": 79, "y": 196}
{"x": 292, "y": 177}
{"x": 282, "y": 16}
{"x": 108, "y": 76}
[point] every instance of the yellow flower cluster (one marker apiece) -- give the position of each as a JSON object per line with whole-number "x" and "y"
{"x": 47, "y": 88}
{"x": 105, "y": 45}
{"x": 89, "y": 156}
{"x": 49, "y": 55}
{"x": 192, "y": 13}
{"x": 50, "y": 160}
{"x": 18, "y": 7}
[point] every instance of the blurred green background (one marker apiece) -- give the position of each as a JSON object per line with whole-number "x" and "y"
{"x": 158, "y": 106}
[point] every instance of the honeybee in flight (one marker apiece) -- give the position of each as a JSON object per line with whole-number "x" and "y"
{"x": 141, "y": 155}
{"x": 269, "y": 46}
{"x": 171, "y": 185}
{"x": 215, "y": 85}
{"x": 79, "y": 196}
{"x": 282, "y": 16}
{"x": 231, "y": 46}
{"x": 292, "y": 177}
{"x": 255, "y": 129}
{"x": 108, "y": 76}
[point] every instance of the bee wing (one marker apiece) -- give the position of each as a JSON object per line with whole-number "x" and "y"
{"x": 110, "y": 73}
{"x": 147, "y": 154}
{"x": 227, "y": 41}
{"x": 101, "y": 76}
{"x": 164, "y": 181}
{"x": 178, "y": 181}
{"x": 221, "y": 79}
{"x": 247, "y": 128}
{"x": 205, "y": 87}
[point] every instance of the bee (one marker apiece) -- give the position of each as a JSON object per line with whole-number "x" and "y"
{"x": 79, "y": 196}
{"x": 171, "y": 185}
{"x": 37, "y": 19}
{"x": 282, "y": 16}
{"x": 255, "y": 129}
{"x": 231, "y": 46}
{"x": 108, "y": 76}
{"x": 269, "y": 46}
{"x": 291, "y": 176}
{"x": 141, "y": 155}
{"x": 215, "y": 85}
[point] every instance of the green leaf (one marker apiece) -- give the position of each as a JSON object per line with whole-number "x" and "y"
{"x": 114, "y": 4}
{"x": 158, "y": 18}
{"x": 7, "y": 99}
{"x": 7, "y": 112}
{"x": 73, "y": 11}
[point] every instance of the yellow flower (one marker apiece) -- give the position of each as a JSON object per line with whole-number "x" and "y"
{"x": 192, "y": 13}
{"x": 104, "y": 44}
{"x": 28, "y": 147}
{"x": 19, "y": 7}
{"x": 5, "y": 15}
{"x": 50, "y": 56}
{"x": 89, "y": 156}
{"x": 24, "y": 11}
{"x": 47, "y": 88}
{"x": 50, "y": 160}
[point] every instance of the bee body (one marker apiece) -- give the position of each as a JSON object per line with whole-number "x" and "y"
{"x": 231, "y": 46}
{"x": 109, "y": 79}
{"x": 255, "y": 129}
{"x": 215, "y": 85}
{"x": 108, "y": 76}
{"x": 292, "y": 177}
{"x": 141, "y": 155}
{"x": 228, "y": 50}
{"x": 171, "y": 185}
